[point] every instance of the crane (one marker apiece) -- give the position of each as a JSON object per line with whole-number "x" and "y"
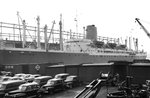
{"x": 145, "y": 30}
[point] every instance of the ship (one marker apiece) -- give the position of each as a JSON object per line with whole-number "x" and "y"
{"x": 22, "y": 44}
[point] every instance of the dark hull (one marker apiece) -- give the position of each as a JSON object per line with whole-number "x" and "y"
{"x": 38, "y": 57}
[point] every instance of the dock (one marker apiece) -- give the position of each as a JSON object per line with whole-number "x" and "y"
{"x": 71, "y": 93}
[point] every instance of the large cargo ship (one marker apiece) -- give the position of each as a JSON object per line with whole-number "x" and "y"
{"x": 22, "y": 44}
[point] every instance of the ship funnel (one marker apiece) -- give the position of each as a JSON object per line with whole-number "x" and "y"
{"x": 91, "y": 32}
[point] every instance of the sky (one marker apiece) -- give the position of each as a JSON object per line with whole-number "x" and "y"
{"x": 113, "y": 18}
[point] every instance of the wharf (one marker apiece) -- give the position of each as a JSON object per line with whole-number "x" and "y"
{"x": 71, "y": 93}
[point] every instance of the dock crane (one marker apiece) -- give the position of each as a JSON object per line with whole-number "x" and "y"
{"x": 145, "y": 30}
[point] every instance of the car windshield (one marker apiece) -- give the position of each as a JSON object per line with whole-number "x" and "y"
{"x": 22, "y": 88}
{"x": 4, "y": 79}
{"x": 51, "y": 82}
{"x": 37, "y": 81}
{"x": 34, "y": 76}
{"x": 69, "y": 78}
{"x": 19, "y": 75}
{"x": 57, "y": 76}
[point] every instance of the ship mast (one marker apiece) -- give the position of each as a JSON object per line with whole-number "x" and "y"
{"x": 76, "y": 20}
{"x": 61, "y": 39}
{"x": 19, "y": 25}
{"x": 45, "y": 37}
{"x": 24, "y": 34}
{"x": 38, "y": 32}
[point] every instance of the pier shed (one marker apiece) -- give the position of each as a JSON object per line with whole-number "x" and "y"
{"x": 72, "y": 69}
{"x": 121, "y": 67}
{"x": 85, "y": 72}
{"x": 89, "y": 72}
{"x": 140, "y": 72}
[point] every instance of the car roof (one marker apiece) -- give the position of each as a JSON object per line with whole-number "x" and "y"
{"x": 20, "y": 74}
{"x": 41, "y": 77}
{"x": 5, "y": 77}
{"x": 11, "y": 81}
{"x": 16, "y": 78}
{"x": 28, "y": 84}
{"x": 55, "y": 79}
{"x": 62, "y": 74}
{"x": 72, "y": 76}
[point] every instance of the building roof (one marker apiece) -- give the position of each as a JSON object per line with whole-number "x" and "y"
{"x": 140, "y": 64}
{"x": 97, "y": 64}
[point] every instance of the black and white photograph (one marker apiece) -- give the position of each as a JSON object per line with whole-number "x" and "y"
{"x": 74, "y": 49}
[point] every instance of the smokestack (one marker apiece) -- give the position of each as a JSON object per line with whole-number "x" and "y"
{"x": 91, "y": 32}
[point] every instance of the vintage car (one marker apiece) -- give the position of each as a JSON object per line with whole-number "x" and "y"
{"x": 42, "y": 80}
{"x": 35, "y": 75}
{"x": 10, "y": 85}
{"x": 117, "y": 94}
{"x": 31, "y": 77}
{"x": 4, "y": 78}
{"x": 15, "y": 78}
{"x": 53, "y": 85}
{"x": 61, "y": 76}
{"x": 129, "y": 93}
{"x": 72, "y": 81}
{"x": 6, "y": 73}
{"x": 22, "y": 75}
{"x": 27, "y": 90}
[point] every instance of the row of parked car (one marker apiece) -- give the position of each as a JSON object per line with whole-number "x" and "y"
{"x": 27, "y": 85}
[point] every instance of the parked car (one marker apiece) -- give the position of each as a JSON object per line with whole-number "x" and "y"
{"x": 117, "y": 94}
{"x": 61, "y": 76}
{"x": 35, "y": 75}
{"x": 53, "y": 85}
{"x": 72, "y": 81}
{"x": 6, "y": 73}
{"x": 28, "y": 90}
{"x": 7, "y": 86}
{"x": 15, "y": 78}
{"x": 19, "y": 75}
{"x": 4, "y": 78}
{"x": 42, "y": 80}
{"x": 32, "y": 77}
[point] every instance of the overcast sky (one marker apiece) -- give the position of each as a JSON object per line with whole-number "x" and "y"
{"x": 113, "y": 18}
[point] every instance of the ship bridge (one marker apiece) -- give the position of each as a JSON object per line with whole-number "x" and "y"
{"x": 78, "y": 45}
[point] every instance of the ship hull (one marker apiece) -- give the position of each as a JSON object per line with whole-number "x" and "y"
{"x": 38, "y": 57}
